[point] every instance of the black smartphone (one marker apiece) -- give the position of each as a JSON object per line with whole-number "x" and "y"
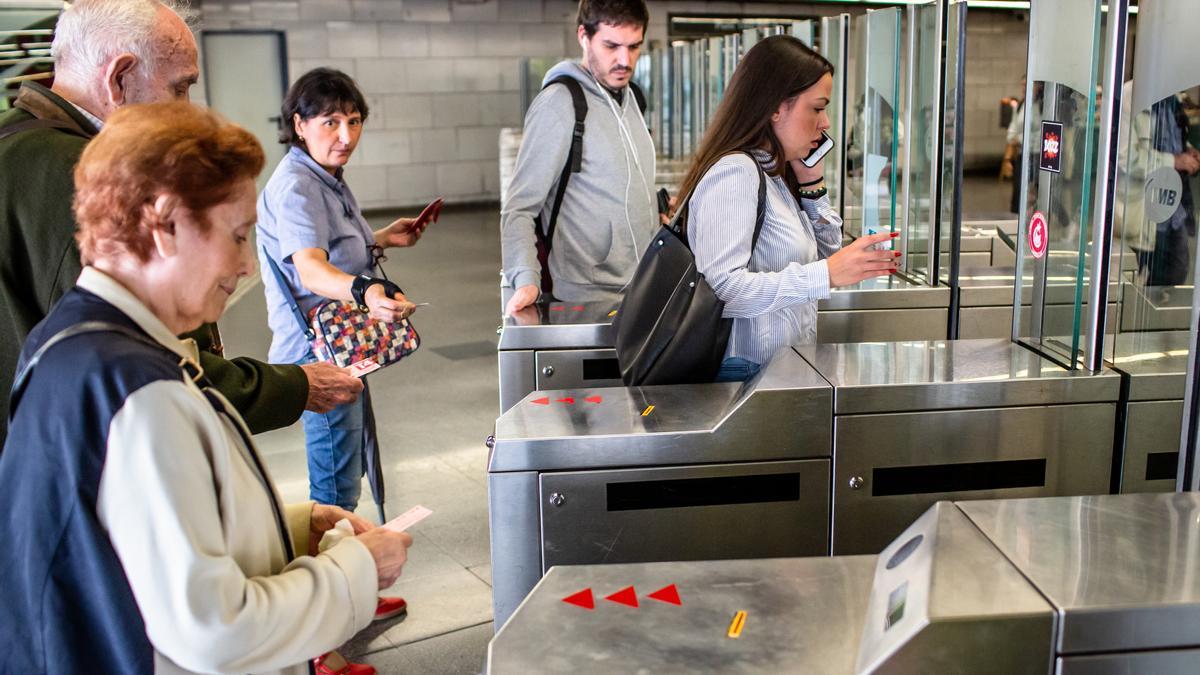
{"x": 664, "y": 201}
{"x": 819, "y": 151}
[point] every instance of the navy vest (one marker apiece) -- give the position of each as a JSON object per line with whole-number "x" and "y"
{"x": 67, "y": 606}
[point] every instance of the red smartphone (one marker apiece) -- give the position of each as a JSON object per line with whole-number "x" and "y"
{"x": 430, "y": 213}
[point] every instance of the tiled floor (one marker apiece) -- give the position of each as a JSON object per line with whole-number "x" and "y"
{"x": 434, "y": 411}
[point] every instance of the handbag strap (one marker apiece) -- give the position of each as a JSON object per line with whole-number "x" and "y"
{"x": 291, "y": 299}
{"x": 760, "y": 213}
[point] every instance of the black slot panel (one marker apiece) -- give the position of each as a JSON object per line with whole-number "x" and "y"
{"x": 962, "y": 477}
{"x": 1162, "y": 465}
{"x": 685, "y": 492}
{"x": 601, "y": 369}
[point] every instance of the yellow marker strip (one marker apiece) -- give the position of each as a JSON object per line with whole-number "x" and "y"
{"x": 612, "y": 314}
{"x": 649, "y": 409}
{"x": 736, "y": 626}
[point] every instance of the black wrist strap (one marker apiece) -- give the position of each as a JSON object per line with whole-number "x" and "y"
{"x": 358, "y": 289}
{"x": 812, "y": 183}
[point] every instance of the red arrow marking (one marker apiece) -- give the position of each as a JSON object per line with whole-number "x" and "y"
{"x": 568, "y": 400}
{"x": 667, "y": 594}
{"x": 625, "y": 596}
{"x": 594, "y": 399}
{"x": 582, "y": 599}
{"x": 577, "y": 308}
{"x": 545, "y": 400}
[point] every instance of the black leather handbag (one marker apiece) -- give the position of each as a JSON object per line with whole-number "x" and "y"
{"x": 668, "y": 329}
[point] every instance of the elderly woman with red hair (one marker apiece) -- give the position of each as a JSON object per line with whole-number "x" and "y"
{"x": 143, "y": 533}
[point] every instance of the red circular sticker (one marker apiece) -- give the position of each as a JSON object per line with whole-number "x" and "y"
{"x": 1038, "y": 237}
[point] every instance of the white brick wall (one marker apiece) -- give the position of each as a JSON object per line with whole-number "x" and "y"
{"x": 441, "y": 76}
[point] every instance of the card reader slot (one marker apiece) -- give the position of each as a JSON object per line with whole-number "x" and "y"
{"x": 687, "y": 492}
{"x": 958, "y": 477}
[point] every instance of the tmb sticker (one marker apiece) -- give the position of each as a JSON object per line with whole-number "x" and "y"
{"x": 1052, "y": 146}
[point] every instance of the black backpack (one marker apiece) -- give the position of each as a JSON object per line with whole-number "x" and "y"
{"x": 544, "y": 236}
{"x": 669, "y": 328}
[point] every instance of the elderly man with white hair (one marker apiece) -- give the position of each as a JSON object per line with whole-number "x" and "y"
{"x": 110, "y": 53}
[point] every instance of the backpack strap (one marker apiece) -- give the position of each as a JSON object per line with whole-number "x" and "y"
{"x": 638, "y": 95}
{"x": 574, "y": 164}
{"x": 35, "y": 123}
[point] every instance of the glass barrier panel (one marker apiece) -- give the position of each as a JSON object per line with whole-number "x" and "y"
{"x": 803, "y": 31}
{"x": 921, "y": 140}
{"x": 1058, "y": 158}
{"x": 834, "y": 48}
{"x": 948, "y": 224}
{"x": 871, "y": 148}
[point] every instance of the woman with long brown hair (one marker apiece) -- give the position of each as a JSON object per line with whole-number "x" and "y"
{"x": 772, "y": 116}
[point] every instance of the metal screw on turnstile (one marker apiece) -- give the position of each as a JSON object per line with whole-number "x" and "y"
{"x": 490, "y": 442}
{"x": 856, "y": 482}
{"x": 557, "y": 499}
{"x": 548, "y": 371}
{"x": 499, "y": 330}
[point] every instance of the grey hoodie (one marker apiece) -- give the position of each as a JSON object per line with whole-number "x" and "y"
{"x": 608, "y": 213}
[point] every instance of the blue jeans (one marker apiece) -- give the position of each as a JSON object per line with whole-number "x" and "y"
{"x": 737, "y": 370}
{"x": 334, "y": 443}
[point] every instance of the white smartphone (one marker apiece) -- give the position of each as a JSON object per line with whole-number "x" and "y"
{"x": 819, "y": 151}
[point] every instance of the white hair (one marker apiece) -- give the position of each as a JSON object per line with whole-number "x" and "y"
{"x": 91, "y": 32}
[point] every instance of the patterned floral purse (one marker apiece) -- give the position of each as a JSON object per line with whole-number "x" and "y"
{"x": 343, "y": 335}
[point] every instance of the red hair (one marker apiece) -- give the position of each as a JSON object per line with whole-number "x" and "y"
{"x": 145, "y": 151}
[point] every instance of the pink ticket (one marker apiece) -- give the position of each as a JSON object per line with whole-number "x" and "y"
{"x": 407, "y": 519}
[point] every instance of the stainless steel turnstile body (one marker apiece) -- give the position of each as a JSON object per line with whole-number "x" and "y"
{"x": 1065, "y": 586}
{"x": 623, "y": 474}
{"x": 597, "y": 475}
{"x": 986, "y": 301}
{"x": 883, "y": 308}
{"x": 918, "y": 422}
{"x": 556, "y": 346}
{"x": 1154, "y": 367}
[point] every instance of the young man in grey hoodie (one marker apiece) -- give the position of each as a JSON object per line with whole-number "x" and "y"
{"x": 608, "y": 212}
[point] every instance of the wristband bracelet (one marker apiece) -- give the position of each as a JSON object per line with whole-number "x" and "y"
{"x": 812, "y": 183}
{"x": 813, "y": 194}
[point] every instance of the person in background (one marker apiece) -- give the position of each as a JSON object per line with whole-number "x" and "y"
{"x": 107, "y": 54}
{"x": 771, "y": 117}
{"x": 143, "y": 531}
{"x": 609, "y": 210}
{"x": 311, "y": 227}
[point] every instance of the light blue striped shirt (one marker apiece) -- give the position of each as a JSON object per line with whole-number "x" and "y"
{"x": 771, "y": 296}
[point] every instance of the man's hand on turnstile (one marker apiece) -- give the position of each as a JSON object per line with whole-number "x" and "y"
{"x": 521, "y": 298}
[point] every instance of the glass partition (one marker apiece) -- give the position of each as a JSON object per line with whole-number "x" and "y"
{"x": 1057, "y": 176}
{"x": 871, "y": 144}
{"x": 1158, "y": 179}
{"x": 948, "y": 202}
{"x": 922, "y": 117}
{"x": 802, "y": 30}
{"x": 834, "y": 34}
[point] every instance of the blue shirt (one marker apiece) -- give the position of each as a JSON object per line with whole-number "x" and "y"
{"x": 303, "y": 206}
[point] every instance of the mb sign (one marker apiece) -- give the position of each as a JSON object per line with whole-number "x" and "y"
{"x": 1164, "y": 190}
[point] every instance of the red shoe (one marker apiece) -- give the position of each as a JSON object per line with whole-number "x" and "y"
{"x": 332, "y": 663}
{"x": 389, "y": 608}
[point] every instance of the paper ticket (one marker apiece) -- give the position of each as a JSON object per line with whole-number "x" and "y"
{"x": 360, "y": 368}
{"x": 407, "y": 519}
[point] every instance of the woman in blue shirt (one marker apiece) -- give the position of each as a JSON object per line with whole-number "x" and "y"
{"x": 772, "y": 115}
{"x": 311, "y": 226}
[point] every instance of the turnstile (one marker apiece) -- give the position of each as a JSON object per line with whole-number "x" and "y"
{"x": 1153, "y": 366}
{"x": 556, "y": 346}
{"x": 650, "y": 473}
{"x": 1066, "y": 586}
